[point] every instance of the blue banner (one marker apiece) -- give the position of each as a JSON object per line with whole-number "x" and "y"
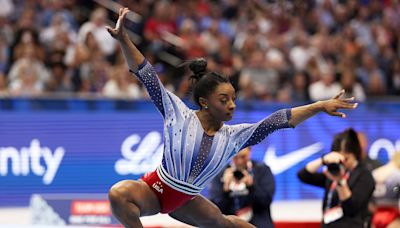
{"x": 88, "y": 151}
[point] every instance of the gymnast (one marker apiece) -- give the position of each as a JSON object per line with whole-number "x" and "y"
{"x": 197, "y": 143}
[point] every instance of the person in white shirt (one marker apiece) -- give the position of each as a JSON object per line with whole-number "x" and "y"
{"x": 326, "y": 87}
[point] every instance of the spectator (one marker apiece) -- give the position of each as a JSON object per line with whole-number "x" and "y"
{"x": 191, "y": 41}
{"x": 121, "y": 85}
{"x": 157, "y": 24}
{"x": 37, "y": 69}
{"x": 58, "y": 34}
{"x": 28, "y": 38}
{"x": 95, "y": 76}
{"x": 387, "y": 194}
{"x": 348, "y": 184}
{"x": 90, "y": 61}
{"x": 306, "y": 37}
{"x": 215, "y": 13}
{"x": 256, "y": 81}
{"x": 246, "y": 189}
{"x": 351, "y": 86}
{"x": 212, "y": 38}
{"x": 96, "y": 26}
{"x": 326, "y": 87}
{"x": 299, "y": 91}
{"x": 7, "y": 7}
{"x": 371, "y": 76}
{"x": 26, "y": 83}
{"x": 301, "y": 53}
{"x": 249, "y": 40}
{"x": 60, "y": 81}
{"x": 55, "y": 8}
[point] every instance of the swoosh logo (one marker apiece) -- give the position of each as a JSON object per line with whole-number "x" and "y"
{"x": 287, "y": 161}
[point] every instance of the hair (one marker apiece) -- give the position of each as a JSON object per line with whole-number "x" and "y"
{"x": 350, "y": 143}
{"x": 337, "y": 141}
{"x": 204, "y": 82}
{"x": 347, "y": 141}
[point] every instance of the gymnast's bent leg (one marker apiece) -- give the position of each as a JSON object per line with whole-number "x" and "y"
{"x": 131, "y": 199}
{"x": 203, "y": 213}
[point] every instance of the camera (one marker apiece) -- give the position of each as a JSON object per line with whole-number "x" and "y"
{"x": 334, "y": 168}
{"x": 238, "y": 175}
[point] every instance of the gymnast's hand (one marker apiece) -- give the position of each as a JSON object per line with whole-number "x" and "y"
{"x": 331, "y": 106}
{"x": 119, "y": 31}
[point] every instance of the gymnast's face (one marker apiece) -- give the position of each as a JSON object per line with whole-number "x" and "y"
{"x": 221, "y": 102}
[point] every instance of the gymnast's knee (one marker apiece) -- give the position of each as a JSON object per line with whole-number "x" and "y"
{"x": 119, "y": 194}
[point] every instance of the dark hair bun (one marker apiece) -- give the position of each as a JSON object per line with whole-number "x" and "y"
{"x": 198, "y": 67}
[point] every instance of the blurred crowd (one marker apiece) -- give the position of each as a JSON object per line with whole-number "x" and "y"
{"x": 280, "y": 51}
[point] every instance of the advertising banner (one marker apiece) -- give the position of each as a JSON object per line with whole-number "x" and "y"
{"x": 87, "y": 152}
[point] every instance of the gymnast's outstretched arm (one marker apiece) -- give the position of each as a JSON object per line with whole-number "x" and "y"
{"x": 138, "y": 64}
{"x": 331, "y": 106}
{"x": 132, "y": 55}
{"x": 292, "y": 117}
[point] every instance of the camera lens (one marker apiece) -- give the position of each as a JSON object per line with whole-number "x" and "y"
{"x": 238, "y": 174}
{"x": 334, "y": 168}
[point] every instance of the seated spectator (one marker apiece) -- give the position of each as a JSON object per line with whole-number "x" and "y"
{"x": 162, "y": 20}
{"x": 371, "y": 76}
{"x": 58, "y": 35}
{"x": 256, "y": 81}
{"x": 28, "y": 38}
{"x": 360, "y": 36}
{"x": 96, "y": 26}
{"x": 59, "y": 81}
{"x": 26, "y": 83}
{"x": 121, "y": 85}
{"x": 94, "y": 75}
{"x": 351, "y": 86}
{"x": 53, "y": 8}
{"x": 326, "y": 87}
{"x": 28, "y": 75}
{"x": 299, "y": 85}
{"x": 301, "y": 53}
{"x": 191, "y": 43}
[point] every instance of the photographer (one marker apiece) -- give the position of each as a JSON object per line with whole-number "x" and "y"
{"x": 348, "y": 184}
{"x": 245, "y": 188}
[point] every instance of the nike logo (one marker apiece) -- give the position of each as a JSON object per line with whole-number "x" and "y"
{"x": 285, "y": 162}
